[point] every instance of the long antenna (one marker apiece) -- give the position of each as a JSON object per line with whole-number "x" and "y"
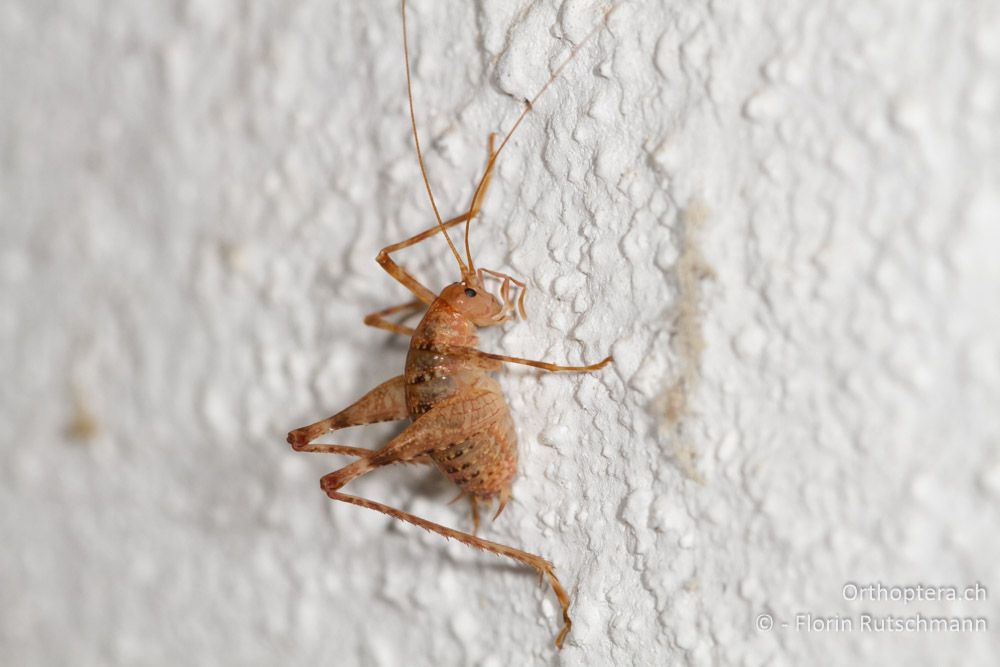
{"x": 416, "y": 140}
{"x": 529, "y": 104}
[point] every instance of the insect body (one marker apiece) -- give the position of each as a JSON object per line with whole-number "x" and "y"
{"x": 460, "y": 421}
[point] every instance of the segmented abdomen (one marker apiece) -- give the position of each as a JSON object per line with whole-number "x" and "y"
{"x": 485, "y": 461}
{"x": 483, "y": 464}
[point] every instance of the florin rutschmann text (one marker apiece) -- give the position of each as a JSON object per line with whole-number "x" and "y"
{"x": 878, "y": 594}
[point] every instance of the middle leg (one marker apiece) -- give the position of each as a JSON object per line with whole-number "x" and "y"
{"x": 377, "y": 319}
{"x": 545, "y": 365}
{"x": 492, "y": 362}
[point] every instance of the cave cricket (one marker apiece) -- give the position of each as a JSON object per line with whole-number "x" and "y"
{"x": 460, "y": 421}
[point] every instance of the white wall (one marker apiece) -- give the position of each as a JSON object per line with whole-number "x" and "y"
{"x": 782, "y": 218}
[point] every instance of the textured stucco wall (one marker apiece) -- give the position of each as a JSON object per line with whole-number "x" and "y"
{"x": 783, "y": 218}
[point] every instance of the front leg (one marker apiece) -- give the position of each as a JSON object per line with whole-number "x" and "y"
{"x": 403, "y": 276}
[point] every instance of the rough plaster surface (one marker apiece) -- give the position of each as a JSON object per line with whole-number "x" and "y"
{"x": 782, "y": 217}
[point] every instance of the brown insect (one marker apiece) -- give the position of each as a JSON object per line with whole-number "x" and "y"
{"x": 460, "y": 421}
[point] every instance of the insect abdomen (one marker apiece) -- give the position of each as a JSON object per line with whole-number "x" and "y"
{"x": 485, "y": 463}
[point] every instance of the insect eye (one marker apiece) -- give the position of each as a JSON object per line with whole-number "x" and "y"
{"x": 469, "y": 292}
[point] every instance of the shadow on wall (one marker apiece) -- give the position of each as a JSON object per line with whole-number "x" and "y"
{"x": 687, "y": 341}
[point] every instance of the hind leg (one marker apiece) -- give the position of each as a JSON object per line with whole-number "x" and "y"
{"x": 386, "y": 402}
{"x": 446, "y": 423}
{"x": 537, "y": 563}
